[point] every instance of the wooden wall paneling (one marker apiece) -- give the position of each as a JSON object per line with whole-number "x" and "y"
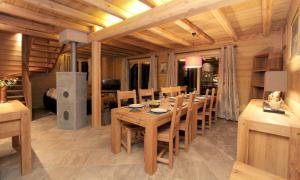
{"x": 96, "y": 84}
{"x": 292, "y": 64}
{"x": 10, "y": 53}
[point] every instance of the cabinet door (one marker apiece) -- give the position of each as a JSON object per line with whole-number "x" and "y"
{"x": 294, "y": 164}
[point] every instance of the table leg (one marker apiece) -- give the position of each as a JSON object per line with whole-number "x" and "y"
{"x": 115, "y": 133}
{"x": 150, "y": 149}
{"x": 15, "y": 140}
{"x": 25, "y": 141}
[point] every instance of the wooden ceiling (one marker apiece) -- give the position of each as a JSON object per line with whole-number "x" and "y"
{"x": 46, "y": 18}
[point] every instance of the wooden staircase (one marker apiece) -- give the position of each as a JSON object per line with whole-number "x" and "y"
{"x": 39, "y": 55}
{"x": 16, "y": 92}
{"x": 43, "y": 54}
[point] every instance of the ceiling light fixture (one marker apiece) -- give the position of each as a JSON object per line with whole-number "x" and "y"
{"x": 194, "y": 61}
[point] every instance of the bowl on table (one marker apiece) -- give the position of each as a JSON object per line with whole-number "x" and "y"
{"x": 154, "y": 104}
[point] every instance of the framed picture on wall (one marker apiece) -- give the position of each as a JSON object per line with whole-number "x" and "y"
{"x": 163, "y": 68}
{"x": 295, "y": 43}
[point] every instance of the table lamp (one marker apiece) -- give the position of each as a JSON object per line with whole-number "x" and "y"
{"x": 276, "y": 83}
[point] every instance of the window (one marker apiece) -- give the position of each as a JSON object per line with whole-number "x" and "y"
{"x": 187, "y": 77}
{"x": 139, "y": 73}
{"x": 209, "y": 74}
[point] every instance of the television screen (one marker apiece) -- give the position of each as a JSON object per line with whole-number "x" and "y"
{"x": 111, "y": 84}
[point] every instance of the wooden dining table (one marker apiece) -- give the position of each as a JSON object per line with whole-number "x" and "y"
{"x": 15, "y": 122}
{"x": 150, "y": 122}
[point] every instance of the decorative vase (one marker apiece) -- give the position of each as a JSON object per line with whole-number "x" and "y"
{"x": 3, "y": 94}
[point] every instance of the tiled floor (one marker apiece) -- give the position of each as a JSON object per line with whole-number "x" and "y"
{"x": 85, "y": 154}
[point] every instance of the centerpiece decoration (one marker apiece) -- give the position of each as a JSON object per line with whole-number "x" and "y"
{"x": 4, "y": 84}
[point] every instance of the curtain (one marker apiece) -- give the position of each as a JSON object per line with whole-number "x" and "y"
{"x": 172, "y": 70}
{"x": 228, "y": 107}
{"x": 153, "y": 73}
{"x": 125, "y": 75}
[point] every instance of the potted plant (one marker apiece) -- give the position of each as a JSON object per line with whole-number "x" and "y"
{"x": 4, "y": 83}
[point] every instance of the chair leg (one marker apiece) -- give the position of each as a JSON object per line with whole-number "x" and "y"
{"x": 210, "y": 119}
{"x": 128, "y": 141}
{"x": 171, "y": 154}
{"x": 216, "y": 116}
{"x": 203, "y": 125}
{"x": 186, "y": 140}
{"x": 177, "y": 143}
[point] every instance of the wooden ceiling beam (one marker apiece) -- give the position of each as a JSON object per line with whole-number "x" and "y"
{"x": 174, "y": 10}
{"x": 225, "y": 23}
{"x": 14, "y": 21}
{"x": 184, "y": 23}
{"x": 172, "y": 37}
{"x": 67, "y": 11}
{"x": 138, "y": 42}
{"x": 190, "y": 27}
{"x": 15, "y": 29}
{"x": 107, "y": 7}
{"x": 149, "y": 3}
{"x": 152, "y": 40}
{"x": 38, "y": 17}
{"x": 266, "y": 16}
{"x": 127, "y": 46}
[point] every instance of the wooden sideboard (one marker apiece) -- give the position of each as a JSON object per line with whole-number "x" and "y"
{"x": 269, "y": 141}
{"x": 241, "y": 171}
{"x": 15, "y": 122}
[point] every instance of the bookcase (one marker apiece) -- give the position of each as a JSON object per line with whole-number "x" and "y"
{"x": 263, "y": 62}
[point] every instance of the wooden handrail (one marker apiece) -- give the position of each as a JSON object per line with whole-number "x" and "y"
{"x": 60, "y": 52}
{"x": 26, "y": 45}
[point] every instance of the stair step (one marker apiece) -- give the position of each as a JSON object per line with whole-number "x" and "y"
{"x": 15, "y": 97}
{"x": 14, "y": 90}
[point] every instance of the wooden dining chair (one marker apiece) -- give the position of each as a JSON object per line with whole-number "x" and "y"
{"x": 130, "y": 133}
{"x": 146, "y": 93}
{"x": 183, "y": 89}
{"x": 185, "y": 125}
{"x": 168, "y": 135}
{"x": 215, "y": 108}
{"x": 202, "y": 115}
{"x": 166, "y": 91}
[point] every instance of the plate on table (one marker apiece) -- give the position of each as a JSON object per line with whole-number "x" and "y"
{"x": 196, "y": 100}
{"x": 159, "y": 110}
{"x": 172, "y": 98}
{"x": 136, "y": 105}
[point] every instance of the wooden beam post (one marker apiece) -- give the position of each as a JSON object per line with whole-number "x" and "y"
{"x": 96, "y": 84}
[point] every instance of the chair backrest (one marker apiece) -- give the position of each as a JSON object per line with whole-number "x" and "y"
{"x": 146, "y": 93}
{"x": 176, "y": 90}
{"x": 176, "y": 116}
{"x": 190, "y": 110}
{"x": 212, "y": 99}
{"x": 122, "y": 95}
{"x": 183, "y": 89}
{"x": 166, "y": 90}
{"x": 205, "y": 103}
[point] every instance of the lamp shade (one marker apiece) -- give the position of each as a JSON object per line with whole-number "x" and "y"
{"x": 193, "y": 62}
{"x": 276, "y": 81}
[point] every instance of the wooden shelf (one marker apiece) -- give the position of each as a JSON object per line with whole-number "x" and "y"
{"x": 260, "y": 70}
{"x": 262, "y": 63}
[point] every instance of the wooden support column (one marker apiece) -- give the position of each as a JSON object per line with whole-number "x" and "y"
{"x": 96, "y": 84}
